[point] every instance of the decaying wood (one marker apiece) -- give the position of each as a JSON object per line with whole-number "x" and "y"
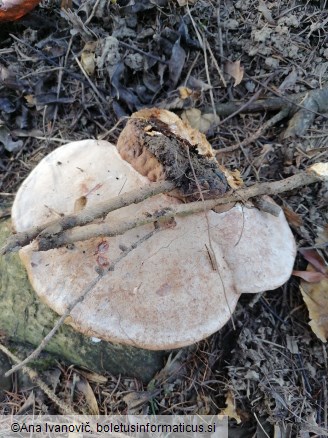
{"x": 45, "y": 243}
{"x": 24, "y": 319}
{"x": 59, "y": 323}
{"x": 303, "y": 107}
{"x": 270, "y": 104}
{"x": 243, "y": 107}
{"x": 179, "y": 157}
{"x": 156, "y": 144}
{"x": 45, "y": 341}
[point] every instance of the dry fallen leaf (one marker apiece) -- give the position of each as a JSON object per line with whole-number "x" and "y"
{"x": 185, "y": 92}
{"x": 66, "y": 4}
{"x": 28, "y": 404}
{"x": 199, "y": 121}
{"x": 203, "y": 404}
{"x": 6, "y": 139}
{"x": 289, "y": 81}
{"x": 313, "y": 257}
{"x": 93, "y": 377}
{"x": 234, "y": 179}
{"x": 88, "y": 57}
{"x": 83, "y": 386}
{"x": 315, "y": 296}
{"x": 314, "y": 288}
{"x": 310, "y": 276}
{"x": 235, "y": 70}
{"x": 293, "y": 218}
{"x": 8, "y": 77}
{"x": 230, "y": 410}
{"x": 320, "y": 169}
{"x": 176, "y": 62}
{"x": 30, "y": 99}
{"x": 135, "y": 400}
{"x": 182, "y": 97}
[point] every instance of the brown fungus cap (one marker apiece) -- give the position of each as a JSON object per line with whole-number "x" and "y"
{"x": 165, "y": 293}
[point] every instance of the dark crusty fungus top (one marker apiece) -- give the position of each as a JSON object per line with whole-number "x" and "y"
{"x": 160, "y": 146}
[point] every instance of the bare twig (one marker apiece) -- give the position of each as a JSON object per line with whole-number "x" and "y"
{"x": 149, "y": 55}
{"x": 220, "y": 38}
{"x": 109, "y": 131}
{"x": 315, "y": 102}
{"x": 267, "y": 206}
{"x": 260, "y": 424}
{"x": 60, "y": 78}
{"x": 191, "y": 68}
{"x": 96, "y": 230}
{"x": 208, "y": 76}
{"x": 199, "y": 37}
{"x": 98, "y": 96}
{"x": 66, "y": 409}
{"x": 267, "y": 125}
{"x": 292, "y": 102}
{"x": 35, "y": 134}
{"x": 94, "y": 10}
{"x": 216, "y": 63}
{"x": 86, "y": 216}
{"x": 246, "y": 104}
{"x": 56, "y": 233}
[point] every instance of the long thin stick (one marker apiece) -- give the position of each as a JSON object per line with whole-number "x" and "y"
{"x": 85, "y": 216}
{"x": 68, "y": 410}
{"x": 96, "y": 230}
{"x": 267, "y": 125}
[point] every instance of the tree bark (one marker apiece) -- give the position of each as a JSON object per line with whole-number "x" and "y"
{"x": 25, "y": 319}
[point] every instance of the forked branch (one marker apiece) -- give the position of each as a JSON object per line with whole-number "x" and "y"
{"x": 85, "y": 216}
{"x": 69, "y": 230}
{"x": 73, "y": 235}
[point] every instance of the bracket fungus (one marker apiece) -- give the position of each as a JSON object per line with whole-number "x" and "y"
{"x": 166, "y": 292}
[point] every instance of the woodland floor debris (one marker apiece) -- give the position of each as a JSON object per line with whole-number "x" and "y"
{"x": 38, "y": 61}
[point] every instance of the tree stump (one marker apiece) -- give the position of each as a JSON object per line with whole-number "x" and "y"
{"x": 25, "y": 319}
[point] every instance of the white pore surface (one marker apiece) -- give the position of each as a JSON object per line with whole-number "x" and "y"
{"x": 165, "y": 293}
